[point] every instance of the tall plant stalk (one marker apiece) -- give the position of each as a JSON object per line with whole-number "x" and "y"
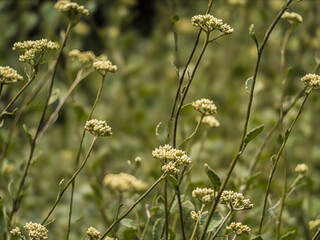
{"x": 241, "y": 147}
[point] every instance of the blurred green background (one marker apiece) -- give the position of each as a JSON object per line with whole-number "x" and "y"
{"x": 137, "y": 36}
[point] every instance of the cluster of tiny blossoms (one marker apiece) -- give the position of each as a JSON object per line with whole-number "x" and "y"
{"x": 210, "y": 23}
{"x": 105, "y": 66}
{"x": 238, "y": 228}
{"x": 124, "y": 182}
{"x": 197, "y": 215}
{"x": 36, "y": 231}
{"x": 93, "y": 233}
{"x": 292, "y": 17}
{"x": 211, "y": 121}
{"x": 98, "y": 128}
{"x": 235, "y": 200}
{"x": 16, "y": 232}
{"x": 312, "y": 80}
{"x": 72, "y": 10}
{"x": 204, "y": 194}
{"x": 205, "y": 106}
{"x": 301, "y": 168}
{"x": 9, "y": 75}
{"x": 171, "y": 158}
{"x": 87, "y": 57}
{"x": 34, "y": 50}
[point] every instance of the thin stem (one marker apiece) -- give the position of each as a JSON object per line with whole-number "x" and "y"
{"x": 317, "y": 235}
{"x": 180, "y": 212}
{"x": 1, "y": 87}
{"x": 193, "y": 133}
{"x": 17, "y": 200}
{"x": 166, "y": 210}
{"x": 60, "y": 194}
{"x": 79, "y": 152}
{"x": 197, "y": 224}
{"x": 287, "y": 134}
{"x": 221, "y": 224}
{"x": 133, "y": 206}
{"x": 24, "y": 87}
{"x": 244, "y": 132}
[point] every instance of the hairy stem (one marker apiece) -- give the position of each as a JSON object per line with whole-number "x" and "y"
{"x": 244, "y": 132}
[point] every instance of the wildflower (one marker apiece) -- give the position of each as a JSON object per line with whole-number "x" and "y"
{"x": 93, "y": 233}
{"x": 34, "y": 50}
{"x": 103, "y": 67}
{"x": 210, "y": 23}
{"x": 235, "y": 200}
{"x": 204, "y": 194}
{"x": 16, "y": 232}
{"x": 170, "y": 168}
{"x": 36, "y": 231}
{"x": 292, "y": 17}
{"x": 211, "y": 121}
{"x": 205, "y": 106}
{"x": 238, "y": 228}
{"x": 301, "y": 168}
{"x": 124, "y": 182}
{"x": 98, "y": 128}
{"x": 197, "y": 215}
{"x": 87, "y": 57}
{"x": 9, "y": 75}
{"x": 168, "y": 153}
{"x": 311, "y": 80}
{"x": 72, "y": 10}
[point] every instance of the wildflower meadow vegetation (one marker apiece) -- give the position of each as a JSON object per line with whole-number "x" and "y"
{"x": 174, "y": 119}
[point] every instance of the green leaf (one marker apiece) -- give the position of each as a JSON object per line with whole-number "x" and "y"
{"x": 54, "y": 95}
{"x": 160, "y": 132}
{"x": 257, "y": 238}
{"x": 248, "y": 85}
{"x": 253, "y": 133}
{"x": 187, "y": 207}
{"x": 215, "y": 221}
{"x": 252, "y": 178}
{"x": 157, "y": 229}
{"x": 172, "y": 179}
{"x": 175, "y": 18}
{"x": 214, "y": 178}
{"x": 28, "y": 133}
{"x": 129, "y": 223}
{"x": 252, "y": 33}
{"x": 289, "y": 235}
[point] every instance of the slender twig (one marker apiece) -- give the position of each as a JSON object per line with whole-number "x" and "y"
{"x": 277, "y": 157}
{"x": 240, "y": 150}
{"x": 316, "y": 235}
{"x": 61, "y": 192}
{"x": 1, "y": 87}
{"x": 79, "y": 152}
{"x": 132, "y": 206}
{"x": 166, "y": 210}
{"x": 222, "y": 223}
{"x": 24, "y": 87}
{"x": 17, "y": 199}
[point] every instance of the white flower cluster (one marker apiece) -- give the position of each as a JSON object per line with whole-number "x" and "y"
{"x": 124, "y": 182}
{"x": 16, "y": 232}
{"x": 211, "y": 121}
{"x": 93, "y": 233}
{"x": 238, "y": 228}
{"x": 103, "y": 67}
{"x": 301, "y": 168}
{"x": 210, "y": 23}
{"x": 36, "y": 231}
{"x": 204, "y": 194}
{"x": 34, "y": 50}
{"x": 72, "y": 10}
{"x": 236, "y": 200}
{"x": 98, "y": 128}
{"x": 205, "y": 106}
{"x": 312, "y": 80}
{"x": 292, "y": 17}
{"x": 87, "y": 57}
{"x": 197, "y": 215}
{"x": 171, "y": 158}
{"x": 9, "y": 75}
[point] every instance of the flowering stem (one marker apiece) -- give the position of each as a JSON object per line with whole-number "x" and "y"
{"x": 197, "y": 224}
{"x": 79, "y": 152}
{"x": 60, "y": 194}
{"x": 222, "y": 223}
{"x": 240, "y": 150}
{"x": 35, "y": 71}
{"x": 17, "y": 200}
{"x": 287, "y": 134}
{"x": 133, "y": 206}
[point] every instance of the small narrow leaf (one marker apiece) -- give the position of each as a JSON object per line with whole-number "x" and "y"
{"x": 54, "y": 95}
{"x": 289, "y": 235}
{"x": 129, "y": 223}
{"x": 1, "y": 123}
{"x": 28, "y": 133}
{"x": 157, "y": 128}
{"x": 157, "y": 229}
{"x": 253, "y": 133}
{"x": 273, "y": 159}
{"x": 175, "y": 18}
{"x": 214, "y": 178}
{"x": 252, "y": 33}
{"x": 248, "y": 85}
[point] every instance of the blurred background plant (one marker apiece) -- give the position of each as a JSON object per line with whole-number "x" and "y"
{"x": 138, "y": 36}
